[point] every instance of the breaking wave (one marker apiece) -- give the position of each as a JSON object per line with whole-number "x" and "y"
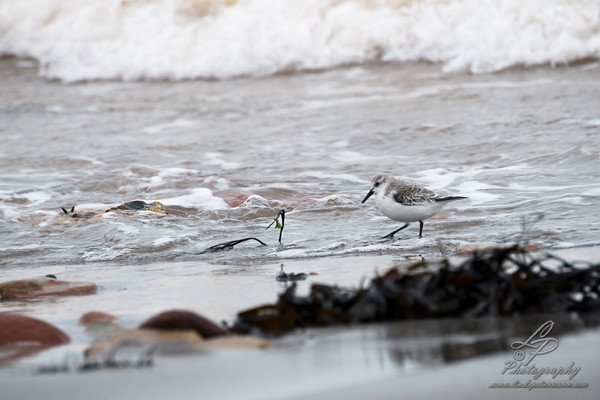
{"x": 77, "y": 40}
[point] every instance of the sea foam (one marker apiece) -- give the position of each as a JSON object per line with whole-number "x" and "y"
{"x": 197, "y": 198}
{"x": 186, "y": 39}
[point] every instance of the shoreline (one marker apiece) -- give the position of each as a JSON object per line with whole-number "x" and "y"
{"x": 133, "y": 293}
{"x": 230, "y": 287}
{"x": 324, "y": 363}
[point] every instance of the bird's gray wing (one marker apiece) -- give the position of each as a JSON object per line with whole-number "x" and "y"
{"x": 410, "y": 194}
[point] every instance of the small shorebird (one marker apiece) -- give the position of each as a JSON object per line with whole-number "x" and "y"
{"x": 405, "y": 201}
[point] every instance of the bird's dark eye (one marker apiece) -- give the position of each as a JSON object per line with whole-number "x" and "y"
{"x": 377, "y": 184}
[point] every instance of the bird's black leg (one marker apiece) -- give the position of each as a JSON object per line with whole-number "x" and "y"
{"x": 391, "y": 235}
{"x": 421, "y": 229}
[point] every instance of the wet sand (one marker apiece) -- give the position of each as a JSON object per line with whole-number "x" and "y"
{"x": 411, "y": 359}
{"x": 352, "y": 363}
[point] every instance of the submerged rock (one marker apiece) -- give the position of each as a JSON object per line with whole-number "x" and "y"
{"x": 128, "y": 207}
{"x": 94, "y": 316}
{"x": 139, "y": 205}
{"x": 44, "y": 286}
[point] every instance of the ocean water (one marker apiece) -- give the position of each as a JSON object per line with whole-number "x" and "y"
{"x": 225, "y": 156}
{"x": 99, "y": 106}
{"x": 227, "y": 112}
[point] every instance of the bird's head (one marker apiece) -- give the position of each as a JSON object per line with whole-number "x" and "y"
{"x": 377, "y": 184}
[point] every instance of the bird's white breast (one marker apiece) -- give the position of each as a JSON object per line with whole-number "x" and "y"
{"x": 398, "y": 212}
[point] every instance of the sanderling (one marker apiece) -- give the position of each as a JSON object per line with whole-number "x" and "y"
{"x": 405, "y": 201}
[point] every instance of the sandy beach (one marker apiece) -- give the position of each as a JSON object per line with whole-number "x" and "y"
{"x": 415, "y": 358}
{"x": 348, "y": 363}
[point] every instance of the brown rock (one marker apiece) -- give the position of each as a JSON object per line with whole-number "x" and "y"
{"x": 30, "y": 288}
{"x": 21, "y": 336}
{"x": 19, "y": 328}
{"x": 184, "y": 320}
{"x": 235, "y": 199}
{"x": 94, "y": 316}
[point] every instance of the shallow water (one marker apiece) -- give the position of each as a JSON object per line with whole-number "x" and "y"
{"x": 517, "y": 143}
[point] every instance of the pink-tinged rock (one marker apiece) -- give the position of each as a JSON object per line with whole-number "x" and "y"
{"x": 21, "y": 336}
{"x": 37, "y": 287}
{"x": 94, "y": 316}
{"x": 235, "y": 199}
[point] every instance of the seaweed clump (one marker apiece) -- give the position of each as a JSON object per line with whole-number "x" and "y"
{"x": 492, "y": 282}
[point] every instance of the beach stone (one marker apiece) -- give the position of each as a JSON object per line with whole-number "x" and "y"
{"x": 44, "y": 286}
{"x": 128, "y": 207}
{"x": 94, "y": 316}
{"x": 139, "y": 205}
{"x": 235, "y": 199}
{"x": 22, "y": 336}
{"x": 184, "y": 320}
{"x": 16, "y": 328}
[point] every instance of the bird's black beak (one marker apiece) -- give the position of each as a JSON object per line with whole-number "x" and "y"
{"x": 367, "y": 196}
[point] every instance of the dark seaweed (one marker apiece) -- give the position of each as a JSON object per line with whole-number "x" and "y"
{"x": 492, "y": 282}
{"x": 229, "y": 245}
{"x": 291, "y": 277}
{"x": 278, "y": 225}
